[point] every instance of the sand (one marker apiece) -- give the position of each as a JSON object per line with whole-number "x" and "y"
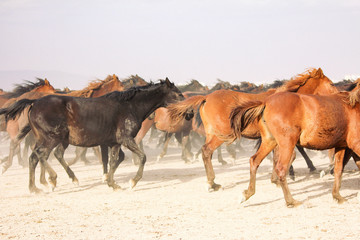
{"x": 171, "y": 202}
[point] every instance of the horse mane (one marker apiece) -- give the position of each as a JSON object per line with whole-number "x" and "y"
{"x": 24, "y": 88}
{"x": 296, "y": 82}
{"x": 131, "y": 92}
{"x": 94, "y": 85}
{"x": 353, "y": 97}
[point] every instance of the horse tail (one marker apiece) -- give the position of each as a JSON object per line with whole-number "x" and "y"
{"x": 185, "y": 108}
{"x": 16, "y": 109}
{"x": 198, "y": 119}
{"x": 24, "y": 131}
{"x": 245, "y": 114}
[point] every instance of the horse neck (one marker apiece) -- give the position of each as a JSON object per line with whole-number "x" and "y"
{"x": 110, "y": 87}
{"x": 44, "y": 90}
{"x": 317, "y": 89}
{"x": 146, "y": 102}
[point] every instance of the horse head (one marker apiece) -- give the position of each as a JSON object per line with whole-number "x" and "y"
{"x": 44, "y": 87}
{"x": 173, "y": 94}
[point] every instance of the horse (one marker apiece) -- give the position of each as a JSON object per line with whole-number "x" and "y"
{"x": 29, "y": 90}
{"x": 111, "y": 120}
{"x": 95, "y": 89}
{"x": 312, "y": 121}
{"x": 215, "y": 109}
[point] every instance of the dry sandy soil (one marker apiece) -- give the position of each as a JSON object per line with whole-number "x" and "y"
{"x": 171, "y": 202}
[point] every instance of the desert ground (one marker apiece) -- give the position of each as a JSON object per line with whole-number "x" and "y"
{"x": 171, "y": 201}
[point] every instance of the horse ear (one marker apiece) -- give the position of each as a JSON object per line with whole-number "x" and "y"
{"x": 319, "y": 73}
{"x": 46, "y": 82}
{"x": 168, "y": 83}
{"x": 114, "y": 77}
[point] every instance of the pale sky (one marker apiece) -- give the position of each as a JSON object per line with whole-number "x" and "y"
{"x": 231, "y": 40}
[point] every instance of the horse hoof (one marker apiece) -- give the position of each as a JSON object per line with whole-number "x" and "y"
{"x": 293, "y": 204}
{"x": 242, "y": 199}
{"x": 292, "y": 177}
{"x": 158, "y": 159}
{"x": 132, "y": 184}
{"x": 214, "y": 187}
{"x": 322, "y": 174}
{"x": 36, "y": 190}
{"x": 104, "y": 178}
{"x": 76, "y": 182}
{"x": 223, "y": 162}
{"x": 116, "y": 187}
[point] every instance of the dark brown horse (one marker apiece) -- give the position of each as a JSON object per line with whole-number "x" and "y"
{"x": 216, "y": 107}
{"x": 109, "y": 121}
{"x": 315, "y": 122}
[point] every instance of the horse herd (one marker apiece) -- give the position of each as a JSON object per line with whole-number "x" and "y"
{"x": 307, "y": 111}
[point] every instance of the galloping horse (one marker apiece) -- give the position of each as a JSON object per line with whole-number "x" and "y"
{"x": 216, "y": 107}
{"x": 109, "y": 121}
{"x": 96, "y": 89}
{"x": 315, "y": 122}
{"x": 30, "y": 91}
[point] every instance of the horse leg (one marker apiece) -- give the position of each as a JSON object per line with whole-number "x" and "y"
{"x": 356, "y": 159}
{"x": 132, "y": 146}
{"x": 166, "y": 143}
{"x": 116, "y": 157}
{"x": 78, "y": 152}
{"x": 83, "y": 157}
{"x": 41, "y": 154}
{"x": 220, "y": 157}
{"x": 9, "y": 161}
{"x": 59, "y": 154}
{"x": 338, "y": 169}
{"x": 185, "y": 146}
{"x": 330, "y": 168}
{"x": 105, "y": 160}
{"x": 17, "y": 151}
{"x": 97, "y": 153}
{"x": 274, "y": 177}
{"x": 135, "y": 159}
{"x": 209, "y": 147}
{"x": 265, "y": 148}
{"x": 282, "y": 167}
{"x": 231, "y": 149}
{"x": 308, "y": 161}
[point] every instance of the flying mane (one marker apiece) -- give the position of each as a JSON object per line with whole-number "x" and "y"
{"x": 94, "y": 85}
{"x": 24, "y": 88}
{"x": 131, "y": 92}
{"x": 296, "y": 82}
{"x": 353, "y": 97}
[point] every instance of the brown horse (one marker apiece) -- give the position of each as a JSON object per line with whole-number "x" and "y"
{"x": 216, "y": 107}
{"x": 315, "y": 122}
{"x": 30, "y": 91}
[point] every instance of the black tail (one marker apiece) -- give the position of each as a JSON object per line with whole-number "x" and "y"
{"x": 198, "y": 119}
{"x": 24, "y": 132}
{"x": 16, "y": 109}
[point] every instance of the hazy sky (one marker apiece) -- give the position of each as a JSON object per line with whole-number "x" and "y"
{"x": 231, "y": 40}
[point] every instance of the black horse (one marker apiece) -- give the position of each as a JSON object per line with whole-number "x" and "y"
{"x": 109, "y": 121}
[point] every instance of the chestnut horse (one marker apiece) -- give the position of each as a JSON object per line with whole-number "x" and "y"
{"x": 216, "y": 107}
{"x": 315, "y": 122}
{"x": 109, "y": 121}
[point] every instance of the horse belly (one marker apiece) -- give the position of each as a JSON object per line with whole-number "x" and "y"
{"x": 85, "y": 138}
{"x": 321, "y": 139}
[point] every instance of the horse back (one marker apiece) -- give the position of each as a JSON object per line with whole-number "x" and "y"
{"x": 81, "y": 121}
{"x": 319, "y": 122}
